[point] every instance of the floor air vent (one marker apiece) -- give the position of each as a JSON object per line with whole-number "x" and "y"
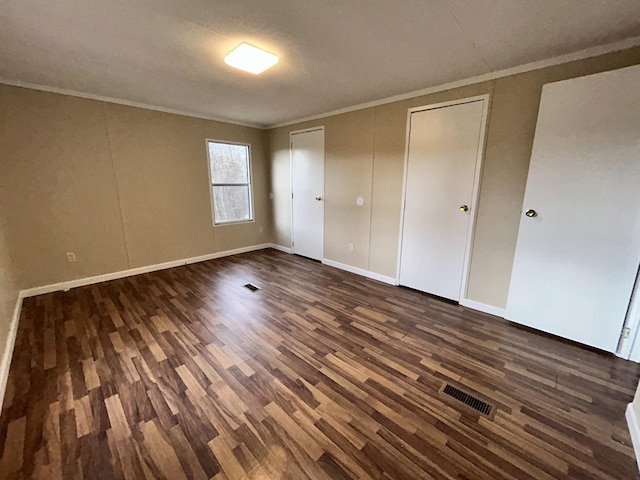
{"x": 252, "y": 287}
{"x": 465, "y": 398}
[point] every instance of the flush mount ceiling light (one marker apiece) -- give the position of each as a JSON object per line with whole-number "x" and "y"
{"x": 250, "y": 59}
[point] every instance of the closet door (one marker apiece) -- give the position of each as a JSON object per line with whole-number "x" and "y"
{"x": 307, "y": 191}
{"x": 578, "y": 245}
{"x": 442, "y": 169}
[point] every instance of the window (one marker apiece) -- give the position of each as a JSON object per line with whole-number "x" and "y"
{"x": 230, "y": 182}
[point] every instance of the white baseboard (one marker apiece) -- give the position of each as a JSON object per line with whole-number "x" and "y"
{"x": 80, "y": 282}
{"x": 281, "y": 248}
{"x": 226, "y": 253}
{"x": 483, "y": 307}
{"x": 5, "y": 361}
{"x": 634, "y": 429}
{"x": 360, "y": 271}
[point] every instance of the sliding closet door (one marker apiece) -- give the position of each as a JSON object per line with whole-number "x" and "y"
{"x": 579, "y": 240}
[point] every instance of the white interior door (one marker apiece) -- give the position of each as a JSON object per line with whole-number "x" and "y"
{"x": 307, "y": 186}
{"x": 577, "y": 258}
{"x": 442, "y": 165}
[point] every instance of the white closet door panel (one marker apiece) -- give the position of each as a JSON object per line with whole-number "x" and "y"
{"x": 576, "y": 261}
{"x": 443, "y": 150}
{"x": 307, "y": 178}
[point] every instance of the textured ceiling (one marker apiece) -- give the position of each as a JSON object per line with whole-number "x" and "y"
{"x": 333, "y": 53}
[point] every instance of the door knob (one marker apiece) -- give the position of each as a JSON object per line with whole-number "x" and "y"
{"x": 318, "y": 198}
{"x": 464, "y": 208}
{"x": 531, "y": 213}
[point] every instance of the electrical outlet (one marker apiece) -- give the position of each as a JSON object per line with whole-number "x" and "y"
{"x": 351, "y": 247}
{"x": 71, "y": 257}
{"x": 261, "y": 229}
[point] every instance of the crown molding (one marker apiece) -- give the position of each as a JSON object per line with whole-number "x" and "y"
{"x": 119, "y": 101}
{"x": 526, "y": 67}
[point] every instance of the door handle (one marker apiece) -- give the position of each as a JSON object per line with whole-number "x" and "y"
{"x": 319, "y": 199}
{"x": 464, "y": 208}
{"x": 531, "y": 213}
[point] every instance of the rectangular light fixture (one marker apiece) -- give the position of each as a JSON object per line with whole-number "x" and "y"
{"x": 250, "y": 59}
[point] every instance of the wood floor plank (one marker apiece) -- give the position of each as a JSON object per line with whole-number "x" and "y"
{"x": 320, "y": 374}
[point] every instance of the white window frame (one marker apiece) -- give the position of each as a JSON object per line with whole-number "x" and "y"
{"x": 212, "y": 185}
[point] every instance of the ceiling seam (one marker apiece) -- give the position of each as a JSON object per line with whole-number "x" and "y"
{"x": 632, "y": 42}
{"x": 466, "y": 35}
{"x": 205, "y": 27}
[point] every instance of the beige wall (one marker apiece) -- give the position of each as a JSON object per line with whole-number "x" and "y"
{"x": 122, "y": 187}
{"x": 365, "y": 157}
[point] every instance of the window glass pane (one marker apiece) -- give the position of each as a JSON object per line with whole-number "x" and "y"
{"x": 231, "y": 203}
{"x": 229, "y": 163}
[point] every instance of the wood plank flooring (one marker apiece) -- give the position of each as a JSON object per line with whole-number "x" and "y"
{"x": 320, "y": 374}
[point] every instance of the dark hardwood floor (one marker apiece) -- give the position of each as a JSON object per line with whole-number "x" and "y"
{"x": 321, "y": 374}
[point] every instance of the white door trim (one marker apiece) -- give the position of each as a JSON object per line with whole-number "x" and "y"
{"x": 305, "y": 130}
{"x": 324, "y": 158}
{"x": 629, "y": 348}
{"x": 591, "y": 251}
{"x": 476, "y": 181}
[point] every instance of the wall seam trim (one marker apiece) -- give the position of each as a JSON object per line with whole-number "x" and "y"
{"x": 373, "y": 176}
{"x": 115, "y": 179}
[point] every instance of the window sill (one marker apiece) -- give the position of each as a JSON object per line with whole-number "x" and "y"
{"x": 237, "y": 222}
